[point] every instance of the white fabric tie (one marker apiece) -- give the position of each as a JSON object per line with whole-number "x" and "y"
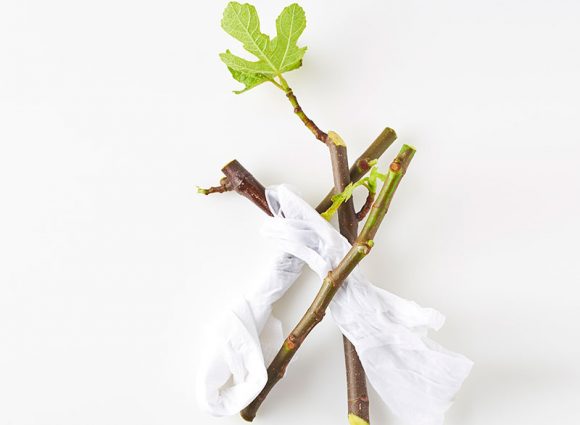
{"x": 413, "y": 375}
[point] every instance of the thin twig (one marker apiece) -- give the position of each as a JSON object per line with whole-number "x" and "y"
{"x": 366, "y": 207}
{"x": 244, "y": 183}
{"x": 318, "y": 133}
{"x": 223, "y": 187}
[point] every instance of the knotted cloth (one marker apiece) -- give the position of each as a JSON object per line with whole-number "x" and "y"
{"x": 414, "y": 376}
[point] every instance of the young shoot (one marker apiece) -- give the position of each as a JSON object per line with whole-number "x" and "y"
{"x": 369, "y": 182}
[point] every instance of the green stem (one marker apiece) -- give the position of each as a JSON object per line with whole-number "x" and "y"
{"x": 332, "y": 282}
{"x": 280, "y": 86}
{"x": 283, "y": 83}
{"x": 318, "y": 133}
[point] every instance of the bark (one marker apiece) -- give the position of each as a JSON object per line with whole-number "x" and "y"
{"x": 244, "y": 183}
{"x": 356, "y": 383}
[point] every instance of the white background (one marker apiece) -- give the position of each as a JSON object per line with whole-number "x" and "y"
{"x": 111, "y": 112}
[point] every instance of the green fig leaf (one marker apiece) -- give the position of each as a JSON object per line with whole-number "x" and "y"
{"x": 276, "y": 56}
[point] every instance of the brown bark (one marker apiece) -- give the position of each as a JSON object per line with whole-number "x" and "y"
{"x": 348, "y": 219}
{"x": 358, "y": 400}
{"x": 244, "y": 183}
{"x": 366, "y": 207}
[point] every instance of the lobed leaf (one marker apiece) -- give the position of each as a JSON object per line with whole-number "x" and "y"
{"x": 247, "y": 79}
{"x": 286, "y": 55}
{"x": 276, "y": 56}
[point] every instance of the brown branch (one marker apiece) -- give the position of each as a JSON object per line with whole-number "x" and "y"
{"x": 358, "y": 400}
{"x": 346, "y": 215}
{"x": 331, "y": 284}
{"x": 366, "y": 207}
{"x": 244, "y": 183}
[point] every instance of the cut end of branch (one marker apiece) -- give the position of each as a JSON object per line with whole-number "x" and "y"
{"x": 335, "y": 138}
{"x": 373, "y": 152}
{"x": 241, "y": 181}
{"x": 403, "y": 159}
{"x": 247, "y": 417}
{"x": 355, "y": 420}
{"x": 388, "y": 134}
